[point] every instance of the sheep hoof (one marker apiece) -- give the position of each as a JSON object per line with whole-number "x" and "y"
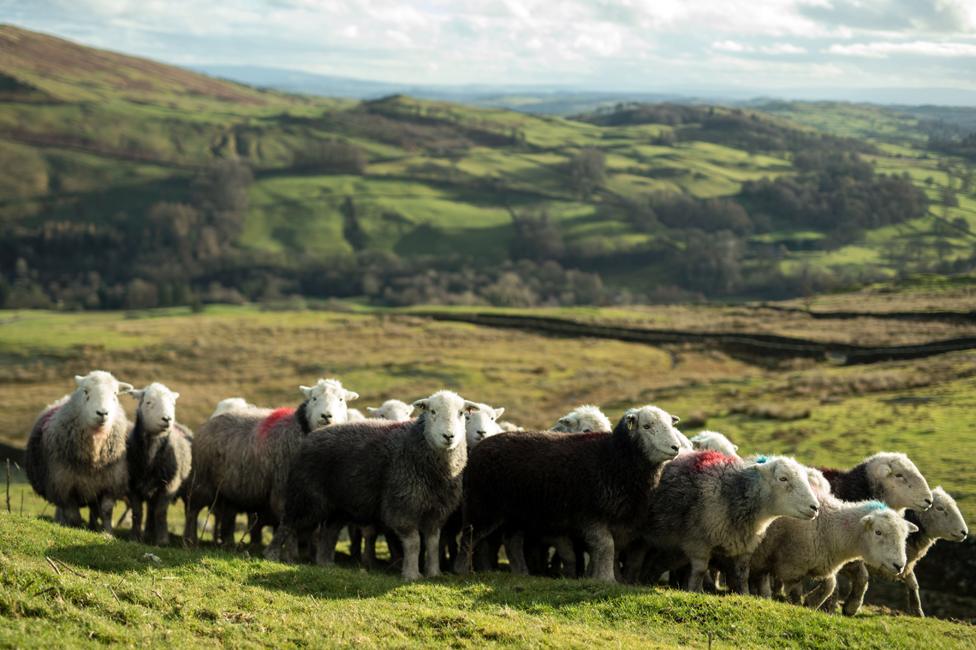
{"x": 411, "y": 577}
{"x": 852, "y": 610}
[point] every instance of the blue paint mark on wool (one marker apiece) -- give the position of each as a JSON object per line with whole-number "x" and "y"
{"x": 877, "y": 505}
{"x": 760, "y": 460}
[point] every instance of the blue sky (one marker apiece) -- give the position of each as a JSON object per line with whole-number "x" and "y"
{"x": 643, "y": 45}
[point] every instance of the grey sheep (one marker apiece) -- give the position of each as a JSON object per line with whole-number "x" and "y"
{"x": 241, "y": 457}
{"x": 595, "y": 485}
{"x": 709, "y": 504}
{"x": 405, "y": 476}
{"x": 159, "y": 457}
{"x": 76, "y": 451}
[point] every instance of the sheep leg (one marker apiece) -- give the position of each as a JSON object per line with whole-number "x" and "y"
{"x": 135, "y": 505}
{"x": 356, "y": 535}
{"x": 794, "y": 592}
{"x": 859, "y": 586}
{"x": 515, "y": 551}
{"x": 325, "y": 542}
{"x": 432, "y": 541}
{"x": 93, "y": 509}
{"x": 699, "y": 567}
{"x": 821, "y": 592}
{"x": 567, "y": 555}
{"x": 740, "y": 575}
{"x": 470, "y": 539}
{"x": 283, "y": 546}
{"x": 600, "y": 542}
{"x": 104, "y": 510}
{"x": 159, "y": 506}
{"x": 225, "y": 524}
{"x": 410, "y": 538}
{"x": 911, "y": 592}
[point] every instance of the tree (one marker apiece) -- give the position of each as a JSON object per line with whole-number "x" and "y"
{"x": 587, "y": 171}
{"x": 536, "y": 237}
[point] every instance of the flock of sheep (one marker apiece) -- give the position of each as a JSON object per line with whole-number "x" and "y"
{"x": 632, "y": 502}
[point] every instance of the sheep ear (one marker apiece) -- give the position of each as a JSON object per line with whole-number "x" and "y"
{"x": 79, "y": 379}
{"x": 351, "y": 395}
{"x": 125, "y": 388}
{"x": 372, "y": 410}
{"x": 499, "y": 412}
{"x": 674, "y": 420}
{"x": 735, "y": 447}
{"x": 470, "y": 407}
{"x": 631, "y": 420}
{"x": 888, "y": 470}
{"x": 565, "y": 421}
{"x": 137, "y": 394}
{"x": 867, "y": 521}
{"x": 306, "y": 390}
{"x": 420, "y": 404}
{"x": 176, "y": 396}
{"x": 912, "y": 528}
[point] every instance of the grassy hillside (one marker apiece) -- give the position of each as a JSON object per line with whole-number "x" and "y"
{"x": 91, "y": 140}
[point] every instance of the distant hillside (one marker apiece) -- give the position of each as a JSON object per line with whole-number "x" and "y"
{"x": 130, "y": 183}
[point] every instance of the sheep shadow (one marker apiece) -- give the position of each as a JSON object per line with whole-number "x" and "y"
{"x": 328, "y": 583}
{"x": 118, "y": 555}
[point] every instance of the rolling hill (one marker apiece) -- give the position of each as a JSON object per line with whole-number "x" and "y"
{"x": 92, "y": 141}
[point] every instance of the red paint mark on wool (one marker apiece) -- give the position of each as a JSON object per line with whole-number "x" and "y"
{"x": 274, "y": 418}
{"x": 47, "y": 416}
{"x": 705, "y": 459}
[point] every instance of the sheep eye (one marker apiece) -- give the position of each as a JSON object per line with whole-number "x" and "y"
{"x": 647, "y": 426}
{"x": 783, "y": 479}
{"x": 587, "y": 431}
{"x": 939, "y": 508}
{"x": 900, "y": 475}
{"x": 877, "y": 532}
{"x": 460, "y": 412}
{"x": 433, "y": 412}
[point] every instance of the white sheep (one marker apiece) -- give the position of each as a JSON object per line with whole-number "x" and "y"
{"x": 392, "y": 409}
{"x": 714, "y": 441}
{"x": 583, "y": 419}
{"x": 482, "y": 423}
{"x": 232, "y": 404}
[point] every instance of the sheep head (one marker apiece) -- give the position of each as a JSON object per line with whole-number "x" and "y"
{"x": 714, "y": 441}
{"x": 788, "y": 485}
{"x": 944, "y": 520}
{"x": 902, "y": 485}
{"x": 157, "y": 407}
{"x": 391, "y": 409}
{"x": 883, "y": 536}
{"x": 98, "y": 396}
{"x": 583, "y": 419}
{"x": 653, "y": 429}
{"x": 443, "y": 417}
{"x": 327, "y": 403}
{"x": 482, "y": 423}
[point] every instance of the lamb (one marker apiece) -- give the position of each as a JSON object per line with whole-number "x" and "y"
{"x": 891, "y": 478}
{"x": 392, "y": 409}
{"x": 76, "y": 451}
{"x": 793, "y": 550}
{"x": 241, "y": 458}
{"x": 583, "y": 419}
{"x": 405, "y": 476}
{"x": 159, "y": 454}
{"x": 714, "y": 441}
{"x": 711, "y": 504}
{"x": 593, "y": 484}
{"x": 942, "y": 521}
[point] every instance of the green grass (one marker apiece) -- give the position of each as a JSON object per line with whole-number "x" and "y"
{"x": 106, "y": 591}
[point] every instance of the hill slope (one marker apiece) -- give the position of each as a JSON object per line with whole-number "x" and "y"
{"x": 144, "y": 161}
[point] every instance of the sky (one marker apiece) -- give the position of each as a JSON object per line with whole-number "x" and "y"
{"x": 633, "y": 45}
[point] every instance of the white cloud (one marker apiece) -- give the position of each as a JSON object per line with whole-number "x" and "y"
{"x": 881, "y": 50}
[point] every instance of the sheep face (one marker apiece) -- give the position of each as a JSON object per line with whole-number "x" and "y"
{"x": 883, "y": 537}
{"x": 789, "y": 485}
{"x": 944, "y": 520}
{"x": 98, "y": 392}
{"x": 583, "y": 419}
{"x": 482, "y": 423}
{"x": 391, "y": 409}
{"x": 902, "y": 483}
{"x": 714, "y": 441}
{"x": 443, "y": 414}
{"x": 653, "y": 428}
{"x": 326, "y": 402}
{"x": 157, "y": 407}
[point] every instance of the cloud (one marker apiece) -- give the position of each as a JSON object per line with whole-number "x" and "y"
{"x": 939, "y": 16}
{"x": 774, "y": 49}
{"x": 881, "y": 50}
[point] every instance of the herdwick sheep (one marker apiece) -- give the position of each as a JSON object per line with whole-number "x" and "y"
{"x": 942, "y": 521}
{"x": 159, "y": 454}
{"x": 241, "y": 458}
{"x": 793, "y": 550}
{"x": 232, "y": 404}
{"x": 583, "y": 419}
{"x": 355, "y": 415}
{"x": 405, "y": 476}
{"x": 392, "y": 409}
{"x": 482, "y": 423}
{"x": 890, "y": 478}
{"x": 709, "y": 504}
{"x": 76, "y": 451}
{"x": 594, "y": 484}
{"x": 714, "y": 441}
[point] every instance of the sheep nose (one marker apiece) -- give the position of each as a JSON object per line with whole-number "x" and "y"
{"x": 897, "y": 567}
{"x": 963, "y": 534}
{"x": 481, "y": 434}
{"x": 815, "y": 507}
{"x": 326, "y": 417}
{"x": 102, "y": 414}
{"x": 675, "y": 448}
{"x": 167, "y": 419}
{"x": 928, "y": 503}
{"x": 448, "y": 437}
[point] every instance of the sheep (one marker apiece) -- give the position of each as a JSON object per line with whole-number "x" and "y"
{"x": 482, "y": 423}
{"x": 76, "y": 451}
{"x": 583, "y": 419}
{"x": 942, "y": 521}
{"x": 392, "y": 409}
{"x": 232, "y": 404}
{"x": 714, "y": 441}
{"x": 891, "y": 478}
{"x": 593, "y": 484}
{"x": 710, "y": 504}
{"x": 793, "y": 550}
{"x": 405, "y": 476}
{"x": 159, "y": 454}
{"x": 510, "y": 426}
{"x": 355, "y": 415}
{"x": 241, "y": 458}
